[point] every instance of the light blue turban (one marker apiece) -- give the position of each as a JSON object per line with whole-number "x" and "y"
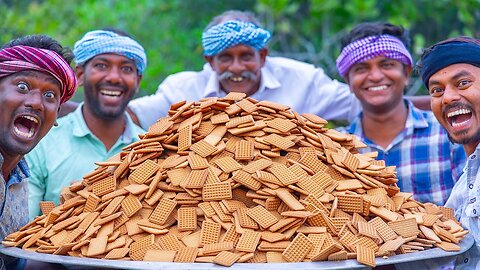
{"x": 97, "y": 42}
{"x": 231, "y": 33}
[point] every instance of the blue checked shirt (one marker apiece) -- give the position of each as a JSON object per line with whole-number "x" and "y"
{"x": 428, "y": 164}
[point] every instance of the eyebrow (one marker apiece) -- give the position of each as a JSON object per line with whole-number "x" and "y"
{"x": 32, "y": 73}
{"x": 386, "y": 59}
{"x": 455, "y": 77}
{"x": 460, "y": 74}
{"x": 124, "y": 61}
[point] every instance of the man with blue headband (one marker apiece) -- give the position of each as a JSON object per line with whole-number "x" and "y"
{"x": 376, "y": 64}
{"x": 110, "y": 65}
{"x": 450, "y": 70}
{"x": 234, "y": 46}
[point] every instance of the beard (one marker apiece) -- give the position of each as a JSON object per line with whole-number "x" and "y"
{"x": 466, "y": 140}
{"x": 99, "y": 109}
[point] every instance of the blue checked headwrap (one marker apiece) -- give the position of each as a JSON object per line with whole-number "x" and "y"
{"x": 100, "y": 41}
{"x": 231, "y": 33}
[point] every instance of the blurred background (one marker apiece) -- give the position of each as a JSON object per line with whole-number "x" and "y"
{"x": 170, "y": 30}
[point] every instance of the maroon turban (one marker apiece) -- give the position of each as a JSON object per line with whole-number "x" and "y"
{"x": 19, "y": 58}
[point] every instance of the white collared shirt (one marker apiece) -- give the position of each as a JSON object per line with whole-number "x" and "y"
{"x": 301, "y": 86}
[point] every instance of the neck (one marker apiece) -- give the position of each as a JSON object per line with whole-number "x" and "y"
{"x": 9, "y": 164}
{"x": 383, "y": 127}
{"x": 470, "y": 148}
{"x": 106, "y": 130}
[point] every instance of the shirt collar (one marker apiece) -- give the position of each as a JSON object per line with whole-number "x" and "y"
{"x": 18, "y": 173}
{"x": 267, "y": 81}
{"x": 80, "y": 128}
{"x": 415, "y": 116}
{"x": 415, "y": 120}
{"x": 476, "y": 152}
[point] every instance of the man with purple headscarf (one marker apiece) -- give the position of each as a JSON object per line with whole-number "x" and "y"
{"x": 35, "y": 78}
{"x": 234, "y": 46}
{"x": 376, "y": 64}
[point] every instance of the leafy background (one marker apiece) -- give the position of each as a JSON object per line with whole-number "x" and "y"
{"x": 170, "y": 30}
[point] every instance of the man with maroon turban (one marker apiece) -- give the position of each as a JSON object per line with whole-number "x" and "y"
{"x": 35, "y": 79}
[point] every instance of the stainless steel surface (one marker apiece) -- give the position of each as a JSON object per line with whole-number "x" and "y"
{"x": 465, "y": 244}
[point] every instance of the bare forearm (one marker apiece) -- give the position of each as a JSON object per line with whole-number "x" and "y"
{"x": 421, "y": 102}
{"x": 67, "y": 108}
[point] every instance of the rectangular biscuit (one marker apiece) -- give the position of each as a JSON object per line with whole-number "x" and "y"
{"x": 217, "y": 191}
{"x": 210, "y": 232}
{"x": 298, "y": 248}
{"x": 248, "y": 241}
{"x": 226, "y": 258}
{"x": 187, "y": 218}
{"x": 264, "y": 218}
{"x": 162, "y": 211}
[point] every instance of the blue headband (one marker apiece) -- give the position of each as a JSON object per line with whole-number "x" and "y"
{"x": 100, "y": 41}
{"x": 447, "y": 54}
{"x": 231, "y": 33}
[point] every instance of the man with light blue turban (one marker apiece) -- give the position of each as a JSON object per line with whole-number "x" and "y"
{"x": 235, "y": 47}
{"x": 110, "y": 65}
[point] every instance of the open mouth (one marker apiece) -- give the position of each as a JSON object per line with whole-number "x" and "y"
{"x": 377, "y": 88}
{"x": 25, "y": 126}
{"x": 111, "y": 93}
{"x": 237, "y": 78}
{"x": 459, "y": 117}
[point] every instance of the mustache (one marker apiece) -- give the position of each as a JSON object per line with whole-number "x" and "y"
{"x": 245, "y": 74}
{"x": 113, "y": 85}
{"x": 457, "y": 105}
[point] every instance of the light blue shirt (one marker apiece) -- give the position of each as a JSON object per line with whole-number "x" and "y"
{"x": 66, "y": 154}
{"x": 302, "y": 86}
{"x": 465, "y": 200}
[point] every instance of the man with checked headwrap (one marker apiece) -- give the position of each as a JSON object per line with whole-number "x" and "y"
{"x": 234, "y": 46}
{"x": 35, "y": 79}
{"x": 376, "y": 64}
{"x": 110, "y": 65}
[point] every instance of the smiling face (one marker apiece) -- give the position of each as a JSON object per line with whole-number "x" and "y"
{"x": 239, "y": 68}
{"x": 109, "y": 81}
{"x": 455, "y": 92}
{"x": 29, "y": 102}
{"x": 378, "y": 83}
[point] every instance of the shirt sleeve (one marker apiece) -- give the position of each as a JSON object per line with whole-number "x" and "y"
{"x": 36, "y": 182}
{"x": 458, "y": 159}
{"x": 335, "y": 100}
{"x": 149, "y": 109}
{"x": 174, "y": 88}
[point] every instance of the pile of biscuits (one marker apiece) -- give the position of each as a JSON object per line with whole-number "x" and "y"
{"x": 232, "y": 179}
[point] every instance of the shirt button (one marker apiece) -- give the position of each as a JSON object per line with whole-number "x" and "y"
{"x": 472, "y": 200}
{"x": 474, "y": 211}
{"x": 474, "y": 156}
{"x": 470, "y": 186}
{"x": 466, "y": 260}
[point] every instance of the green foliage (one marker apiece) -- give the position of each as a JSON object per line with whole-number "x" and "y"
{"x": 170, "y": 30}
